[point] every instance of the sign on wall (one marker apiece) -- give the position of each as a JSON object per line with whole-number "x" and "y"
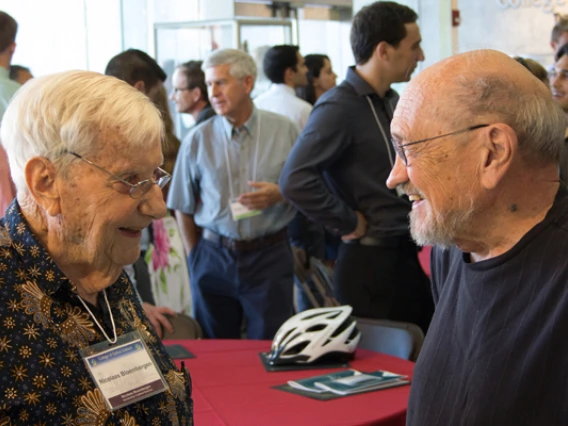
{"x": 547, "y": 6}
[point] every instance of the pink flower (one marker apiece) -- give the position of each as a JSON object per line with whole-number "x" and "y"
{"x": 161, "y": 246}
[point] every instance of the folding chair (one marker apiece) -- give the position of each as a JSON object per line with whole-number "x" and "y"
{"x": 400, "y": 339}
{"x": 185, "y": 327}
{"x": 320, "y": 275}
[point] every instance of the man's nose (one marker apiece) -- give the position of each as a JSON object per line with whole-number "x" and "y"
{"x": 421, "y": 56}
{"x": 398, "y": 174}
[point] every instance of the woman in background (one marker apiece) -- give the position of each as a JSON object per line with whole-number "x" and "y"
{"x": 321, "y": 78}
{"x": 167, "y": 283}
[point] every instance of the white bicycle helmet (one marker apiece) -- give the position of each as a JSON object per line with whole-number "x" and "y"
{"x": 316, "y": 333}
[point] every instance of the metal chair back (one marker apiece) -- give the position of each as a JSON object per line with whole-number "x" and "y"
{"x": 400, "y": 339}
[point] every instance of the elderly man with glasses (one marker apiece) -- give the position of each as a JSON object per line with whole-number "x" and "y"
{"x": 478, "y": 140}
{"x": 75, "y": 344}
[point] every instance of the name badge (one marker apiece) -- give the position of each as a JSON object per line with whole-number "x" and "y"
{"x": 125, "y": 372}
{"x": 239, "y": 211}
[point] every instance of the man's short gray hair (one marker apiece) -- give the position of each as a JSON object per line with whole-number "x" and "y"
{"x": 242, "y": 64}
{"x": 75, "y": 111}
{"x": 538, "y": 121}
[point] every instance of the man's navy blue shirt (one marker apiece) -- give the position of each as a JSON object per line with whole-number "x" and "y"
{"x": 340, "y": 163}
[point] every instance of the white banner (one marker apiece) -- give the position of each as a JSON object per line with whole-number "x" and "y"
{"x": 547, "y": 6}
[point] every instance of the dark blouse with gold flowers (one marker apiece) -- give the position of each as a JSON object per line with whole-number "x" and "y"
{"x": 43, "y": 380}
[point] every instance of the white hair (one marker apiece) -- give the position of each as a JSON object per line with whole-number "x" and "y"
{"x": 74, "y": 111}
{"x": 242, "y": 64}
{"x": 538, "y": 121}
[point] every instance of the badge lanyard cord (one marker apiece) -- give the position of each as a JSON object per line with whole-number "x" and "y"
{"x": 255, "y": 163}
{"x": 380, "y": 126}
{"x": 112, "y": 341}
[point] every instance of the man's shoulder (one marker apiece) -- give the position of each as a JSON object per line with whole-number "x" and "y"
{"x": 269, "y": 117}
{"x": 204, "y": 129}
{"x": 7, "y": 89}
{"x": 263, "y": 96}
{"x": 343, "y": 98}
{"x": 11, "y": 85}
{"x": 302, "y": 104}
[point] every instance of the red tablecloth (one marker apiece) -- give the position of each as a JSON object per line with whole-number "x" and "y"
{"x": 424, "y": 257}
{"x": 231, "y": 388}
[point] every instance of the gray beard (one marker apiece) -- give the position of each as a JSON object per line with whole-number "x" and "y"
{"x": 441, "y": 229}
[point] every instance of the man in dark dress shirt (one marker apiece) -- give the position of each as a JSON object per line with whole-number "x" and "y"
{"x": 337, "y": 170}
{"x": 190, "y": 91}
{"x": 478, "y": 139}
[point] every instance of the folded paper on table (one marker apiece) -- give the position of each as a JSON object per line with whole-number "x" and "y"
{"x": 349, "y": 381}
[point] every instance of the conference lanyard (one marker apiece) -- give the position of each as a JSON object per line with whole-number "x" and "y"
{"x": 111, "y": 341}
{"x": 123, "y": 368}
{"x": 380, "y": 126}
{"x": 255, "y": 159}
{"x": 399, "y": 191}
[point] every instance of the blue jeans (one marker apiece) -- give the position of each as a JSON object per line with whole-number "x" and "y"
{"x": 229, "y": 285}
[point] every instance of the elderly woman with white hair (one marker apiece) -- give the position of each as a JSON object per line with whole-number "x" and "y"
{"x": 75, "y": 344}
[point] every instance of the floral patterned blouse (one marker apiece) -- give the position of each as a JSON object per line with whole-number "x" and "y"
{"x": 43, "y": 324}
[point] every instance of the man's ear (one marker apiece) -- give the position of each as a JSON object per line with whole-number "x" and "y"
{"x": 383, "y": 50}
{"x": 288, "y": 75}
{"x": 498, "y": 153}
{"x": 41, "y": 178}
{"x": 196, "y": 94}
{"x": 140, "y": 86}
{"x": 248, "y": 81}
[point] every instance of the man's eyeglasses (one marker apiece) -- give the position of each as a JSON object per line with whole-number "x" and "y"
{"x": 400, "y": 148}
{"x": 557, "y": 72}
{"x": 181, "y": 89}
{"x": 161, "y": 178}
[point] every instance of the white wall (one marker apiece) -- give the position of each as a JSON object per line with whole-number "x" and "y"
{"x": 516, "y": 27}
{"x": 58, "y": 35}
{"x": 523, "y": 31}
{"x": 332, "y": 39}
{"x": 434, "y": 19}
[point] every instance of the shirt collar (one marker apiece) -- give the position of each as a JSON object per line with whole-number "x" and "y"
{"x": 32, "y": 252}
{"x": 4, "y": 73}
{"x": 362, "y": 87}
{"x": 229, "y": 129}
{"x": 203, "y": 112}
{"x": 282, "y": 88}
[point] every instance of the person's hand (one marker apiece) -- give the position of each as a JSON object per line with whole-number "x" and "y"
{"x": 157, "y": 317}
{"x": 267, "y": 195}
{"x": 360, "y": 229}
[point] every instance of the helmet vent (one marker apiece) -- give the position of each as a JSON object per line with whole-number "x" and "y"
{"x": 342, "y": 327}
{"x": 296, "y": 349}
{"x": 353, "y": 335}
{"x": 320, "y": 314}
{"x": 317, "y": 327}
{"x": 334, "y": 315}
{"x": 326, "y": 342}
